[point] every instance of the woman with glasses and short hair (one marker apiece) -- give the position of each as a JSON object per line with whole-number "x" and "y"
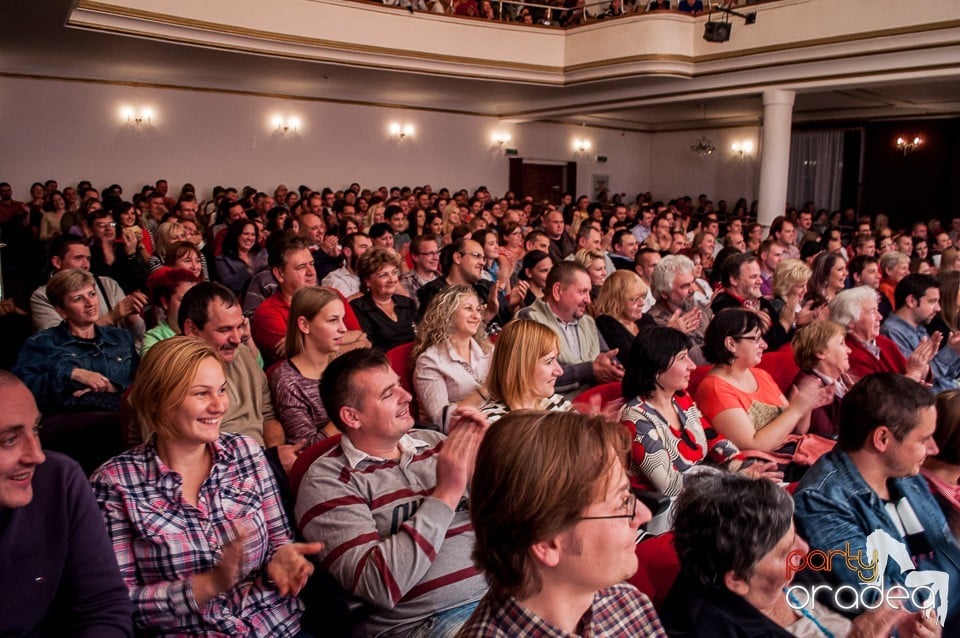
{"x": 742, "y": 401}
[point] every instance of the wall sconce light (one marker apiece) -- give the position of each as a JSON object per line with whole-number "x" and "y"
{"x": 742, "y": 148}
{"x": 284, "y": 125}
{"x": 909, "y": 145}
{"x": 581, "y": 145}
{"x": 500, "y": 138}
{"x": 401, "y": 132}
{"x": 133, "y": 117}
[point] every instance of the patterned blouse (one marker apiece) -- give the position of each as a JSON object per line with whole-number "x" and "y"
{"x": 495, "y": 410}
{"x": 660, "y": 454}
{"x": 160, "y": 540}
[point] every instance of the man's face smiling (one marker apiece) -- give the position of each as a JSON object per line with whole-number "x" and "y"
{"x": 20, "y": 451}
{"x": 222, "y": 330}
{"x": 384, "y": 410}
{"x": 904, "y": 458}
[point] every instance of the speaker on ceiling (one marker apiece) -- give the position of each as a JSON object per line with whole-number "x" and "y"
{"x": 717, "y": 31}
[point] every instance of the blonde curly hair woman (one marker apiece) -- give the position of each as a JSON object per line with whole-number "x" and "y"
{"x": 452, "y": 354}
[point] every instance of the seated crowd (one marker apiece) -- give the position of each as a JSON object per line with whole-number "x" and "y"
{"x": 315, "y": 413}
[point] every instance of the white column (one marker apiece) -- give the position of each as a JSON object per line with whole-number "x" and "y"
{"x": 774, "y": 153}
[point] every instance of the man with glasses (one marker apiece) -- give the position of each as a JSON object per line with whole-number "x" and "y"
{"x": 462, "y": 264}
{"x": 558, "y": 483}
{"x": 425, "y": 254}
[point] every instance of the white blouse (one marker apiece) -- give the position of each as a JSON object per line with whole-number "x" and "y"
{"x": 441, "y": 377}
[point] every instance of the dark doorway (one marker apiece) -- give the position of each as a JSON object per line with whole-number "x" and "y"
{"x": 542, "y": 181}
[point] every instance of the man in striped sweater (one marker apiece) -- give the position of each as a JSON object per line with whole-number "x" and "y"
{"x": 389, "y": 502}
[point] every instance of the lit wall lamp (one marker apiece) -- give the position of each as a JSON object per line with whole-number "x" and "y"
{"x": 401, "y": 132}
{"x": 909, "y": 145}
{"x": 500, "y": 138}
{"x": 581, "y": 145}
{"x": 133, "y": 117}
{"x": 742, "y": 148}
{"x": 284, "y": 125}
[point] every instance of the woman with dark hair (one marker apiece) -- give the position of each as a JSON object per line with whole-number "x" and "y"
{"x": 828, "y": 277}
{"x": 733, "y": 536}
{"x": 670, "y": 436}
{"x": 126, "y": 217}
{"x": 511, "y": 242}
{"x": 416, "y": 222}
{"x": 742, "y": 401}
{"x": 242, "y": 257}
{"x": 532, "y": 279}
{"x": 186, "y": 255}
{"x": 433, "y": 225}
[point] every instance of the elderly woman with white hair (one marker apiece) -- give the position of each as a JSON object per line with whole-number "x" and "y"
{"x": 673, "y": 285}
{"x": 857, "y": 311}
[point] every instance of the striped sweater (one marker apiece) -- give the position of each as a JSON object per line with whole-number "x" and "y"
{"x": 386, "y": 539}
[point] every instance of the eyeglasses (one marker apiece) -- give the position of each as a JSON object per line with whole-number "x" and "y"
{"x": 474, "y": 255}
{"x": 106, "y": 225}
{"x": 629, "y": 503}
{"x": 754, "y": 338}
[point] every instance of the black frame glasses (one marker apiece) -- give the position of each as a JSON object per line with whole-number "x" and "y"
{"x": 630, "y": 501}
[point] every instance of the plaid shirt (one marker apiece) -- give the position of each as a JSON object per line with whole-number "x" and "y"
{"x": 160, "y": 540}
{"x": 620, "y": 610}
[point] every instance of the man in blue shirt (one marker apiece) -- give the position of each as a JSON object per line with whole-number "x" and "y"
{"x": 869, "y": 488}
{"x": 917, "y": 298}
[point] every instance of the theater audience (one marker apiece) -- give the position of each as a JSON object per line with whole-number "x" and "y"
{"x": 870, "y": 486}
{"x": 115, "y": 257}
{"x": 828, "y": 277}
{"x": 242, "y": 256}
{"x": 733, "y": 536}
{"x": 894, "y": 266}
{"x": 78, "y": 365}
{"x": 857, "y": 311}
{"x": 673, "y": 285}
{"x": 524, "y": 371}
{"x": 742, "y": 401}
{"x": 917, "y": 302}
{"x": 821, "y": 352}
{"x": 942, "y": 469}
{"x": 167, "y": 287}
{"x": 558, "y": 482}
{"x": 59, "y": 575}
{"x": 166, "y": 235}
{"x": 740, "y": 277}
{"x": 211, "y": 312}
{"x": 186, "y": 255}
{"x": 315, "y": 333}
{"x": 532, "y": 279}
{"x": 194, "y": 513}
{"x": 670, "y": 436}
{"x": 585, "y": 361}
{"x": 619, "y": 309}
{"x": 452, "y": 355}
{"x": 386, "y": 316}
{"x": 414, "y": 573}
{"x": 116, "y": 308}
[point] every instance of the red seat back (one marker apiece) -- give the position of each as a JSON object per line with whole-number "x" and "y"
{"x": 306, "y": 459}
{"x": 696, "y": 377}
{"x": 781, "y": 366}
{"x": 606, "y": 394}
{"x": 658, "y": 567}
{"x": 399, "y": 357}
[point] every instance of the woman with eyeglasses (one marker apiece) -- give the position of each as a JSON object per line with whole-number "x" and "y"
{"x": 452, "y": 355}
{"x": 619, "y": 309}
{"x": 742, "y": 401}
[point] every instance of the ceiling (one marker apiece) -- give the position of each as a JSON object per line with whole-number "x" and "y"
{"x": 36, "y": 43}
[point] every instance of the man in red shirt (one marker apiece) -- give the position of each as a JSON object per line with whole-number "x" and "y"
{"x": 291, "y": 263}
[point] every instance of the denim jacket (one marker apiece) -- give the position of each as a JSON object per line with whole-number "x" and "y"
{"x": 835, "y": 506}
{"x": 48, "y": 358}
